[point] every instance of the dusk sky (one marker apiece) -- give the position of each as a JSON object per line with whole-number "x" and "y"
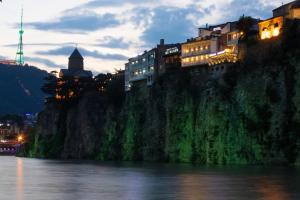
{"x": 108, "y": 32}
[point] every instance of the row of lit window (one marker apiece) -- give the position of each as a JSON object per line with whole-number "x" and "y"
{"x": 143, "y": 59}
{"x": 142, "y": 71}
{"x": 196, "y": 49}
{"x": 195, "y": 59}
{"x": 235, "y": 36}
{"x": 266, "y": 33}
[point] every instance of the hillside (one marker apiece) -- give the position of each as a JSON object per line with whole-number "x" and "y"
{"x": 20, "y": 89}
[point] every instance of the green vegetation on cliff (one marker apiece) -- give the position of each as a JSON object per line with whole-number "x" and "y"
{"x": 249, "y": 116}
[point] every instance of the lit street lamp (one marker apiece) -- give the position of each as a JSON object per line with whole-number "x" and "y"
{"x": 20, "y": 138}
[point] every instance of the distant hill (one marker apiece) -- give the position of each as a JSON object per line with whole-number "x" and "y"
{"x": 20, "y": 89}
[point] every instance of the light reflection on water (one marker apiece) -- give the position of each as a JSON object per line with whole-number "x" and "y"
{"x": 19, "y": 180}
{"x": 31, "y": 179}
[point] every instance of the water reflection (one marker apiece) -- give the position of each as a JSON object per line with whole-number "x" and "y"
{"x": 19, "y": 180}
{"x": 54, "y": 180}
{"x": 272, "y": 189}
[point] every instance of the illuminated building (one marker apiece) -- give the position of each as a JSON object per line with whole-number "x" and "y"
{"x": 171, "y": 59}
{"x": 270, "y": 28}
{"x": 140, "y": 68}
{"x": 147, "y": 66}
{"x": 196, "y": 51}
{"x": 214, "y": 45}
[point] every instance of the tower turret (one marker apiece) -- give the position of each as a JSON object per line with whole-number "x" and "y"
{"x": 75, "y": 61}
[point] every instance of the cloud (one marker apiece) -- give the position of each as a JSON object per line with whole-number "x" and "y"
{"x": 40, "y": 44}
{"x": 256, "y": 9}
{"x": 78, "y": 23}
{"x": 2, "y": 58}
{"x": 172, "y": 24}
{"x": 112, "y": 3}
{"x": 66, "y": 51}
{"x": 112, "y": 42}
{"x": 47, "y": 62}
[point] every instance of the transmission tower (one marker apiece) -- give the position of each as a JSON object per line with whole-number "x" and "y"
{"x": 20, "y": 52}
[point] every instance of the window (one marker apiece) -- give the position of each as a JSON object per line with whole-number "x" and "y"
{"x": 144, "y": 59}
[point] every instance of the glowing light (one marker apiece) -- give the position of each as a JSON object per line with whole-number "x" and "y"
{"x": 20, "y": 138}
{"x": 276, "y": 32}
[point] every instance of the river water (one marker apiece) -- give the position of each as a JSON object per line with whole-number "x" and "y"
{"x": 32, "y": 179}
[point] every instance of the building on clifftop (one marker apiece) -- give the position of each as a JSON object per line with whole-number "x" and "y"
{"x": 271, "y": 28}
{"x": 149, "y": 65}
{"x": 75, "y": 67}
{"x": 289, "y": 11}
{"x": 214, "y": 45}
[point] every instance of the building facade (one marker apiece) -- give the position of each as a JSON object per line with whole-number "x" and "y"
{"x": 147, "y": 66}
{"x": 140, "y": 68}
{"x": 196, "y": 51}
{"x": 172, "y": 59}
{"x": 270, "y": 28}
{"x": 289, "y": 11}
{"x": 214, "y": 45}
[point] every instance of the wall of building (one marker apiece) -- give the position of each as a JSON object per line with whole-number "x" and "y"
{"x": 140, "y": 68}
{"x": 270, "y": 28}
{"x": 197, "y": 52}
{"x": 295, "y": 13}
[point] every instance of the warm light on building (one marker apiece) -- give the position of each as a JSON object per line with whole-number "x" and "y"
{"x": 270, "y": 28}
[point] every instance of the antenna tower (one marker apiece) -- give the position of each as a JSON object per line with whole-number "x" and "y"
{"x": 20, "y": 52}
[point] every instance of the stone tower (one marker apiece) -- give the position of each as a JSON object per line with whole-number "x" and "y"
{"x": 75, "y": 61}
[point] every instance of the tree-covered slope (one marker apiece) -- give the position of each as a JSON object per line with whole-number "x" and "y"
{"x": 20, "y": 89}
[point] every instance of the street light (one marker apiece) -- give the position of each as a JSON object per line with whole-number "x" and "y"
{"x": 20, "y": 138}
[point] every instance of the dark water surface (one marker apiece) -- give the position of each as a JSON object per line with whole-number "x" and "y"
{"x": 31, "y": 179}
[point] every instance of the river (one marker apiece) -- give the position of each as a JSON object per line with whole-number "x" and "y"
{"x": 33, "y": 179}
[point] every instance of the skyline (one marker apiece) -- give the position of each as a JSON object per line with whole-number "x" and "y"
{"x": 106, "y": 32}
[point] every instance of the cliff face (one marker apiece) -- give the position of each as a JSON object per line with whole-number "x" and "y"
{"x": 249, "y": 116}
{"x": 69, "y": 131}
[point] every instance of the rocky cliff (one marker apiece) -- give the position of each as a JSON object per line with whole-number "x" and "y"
{"x": 249, "y": 116}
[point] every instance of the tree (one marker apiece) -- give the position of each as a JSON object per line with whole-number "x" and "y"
{"x": 246, "y": 23}
{"x": 50, "y": 86}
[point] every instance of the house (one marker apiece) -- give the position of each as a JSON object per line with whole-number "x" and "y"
{"x": 214, "y": 45}
{"x": 289, "y": 11}
{"x": 140, "y": 68}
{"x": 273, "y": 27}
{"x": 147, "y": 66}
{"x": 270, "y": 28}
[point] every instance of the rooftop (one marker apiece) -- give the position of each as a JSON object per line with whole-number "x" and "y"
{"x": 295, "y": 4}
{"x": 76, "y": 54}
